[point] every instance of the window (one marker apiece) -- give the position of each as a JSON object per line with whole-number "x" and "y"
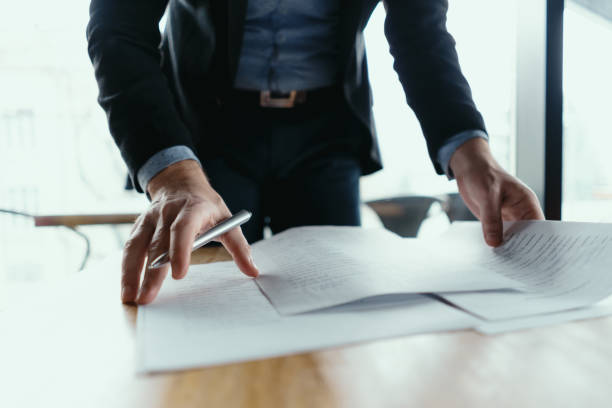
{"x": 587, "y": 131}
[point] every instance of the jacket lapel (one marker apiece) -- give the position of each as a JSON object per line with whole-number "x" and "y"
{"x": 349, "y": 22}
{"x": 235, "y": 25}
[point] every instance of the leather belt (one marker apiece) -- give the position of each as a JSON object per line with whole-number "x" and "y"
{"x": 282, "y": 100}
{"x": 269, "y": 99}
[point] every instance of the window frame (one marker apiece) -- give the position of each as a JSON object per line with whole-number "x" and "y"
{"x": 539, "y": 118}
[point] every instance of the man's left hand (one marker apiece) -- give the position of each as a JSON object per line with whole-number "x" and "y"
{"x": 490, "y": 192}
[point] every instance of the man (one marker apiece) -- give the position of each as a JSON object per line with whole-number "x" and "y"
{"x": 265, "y": 105}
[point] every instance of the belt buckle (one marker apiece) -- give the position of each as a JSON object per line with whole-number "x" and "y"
{"x": 266, "y": 100}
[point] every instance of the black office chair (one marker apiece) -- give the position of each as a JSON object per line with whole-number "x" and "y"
{"x": 405, "y": 215}
{"x": 456, "y": 209}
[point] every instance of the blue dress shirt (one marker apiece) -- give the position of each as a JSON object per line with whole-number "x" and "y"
{"x": 288, "y": 45}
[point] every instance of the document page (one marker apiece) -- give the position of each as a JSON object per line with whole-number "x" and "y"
{"x": 600, "y": 309}
{"x": 216, "y": 315}
{"x": 557, "y": 265}
{"x": 309, "y": 268}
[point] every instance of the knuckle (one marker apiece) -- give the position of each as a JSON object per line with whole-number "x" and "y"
{"x": 218, "y": 200}
{"x": 219, "y": 206}
{"x": 150, "y": 216}
{"x": 160, "y": 231}
{"x": 149, "y": 219}
{"x": 180, "y": 224}
{"x": 492, "y": 187}
{"x": 490, "y": 180}
{"x": 154, "y": 249}
{"x": 208, "y": 221}
{"x": 528, "y": 214}
{"x": 157, "y": 246}
{"x": 176, "y": 227}
{"x": 154, "y": 211}
{"x": 153, "y": 208}
{"x": 166, "y": 211}
{"x": 139, "y": 221}
{"x": 163, "y": 225}
{"x": 131, "y": 243}
{"x": 191, "y": 209}
{"x": 195, "y": 201}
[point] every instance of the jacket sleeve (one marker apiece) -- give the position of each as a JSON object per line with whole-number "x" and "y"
{"x": 123, "y": 44}
{"x": 427, "y": 64}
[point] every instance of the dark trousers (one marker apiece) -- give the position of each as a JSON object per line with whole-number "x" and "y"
{"x": 289, "y": 167}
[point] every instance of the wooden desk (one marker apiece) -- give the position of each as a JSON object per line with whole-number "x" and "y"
{"x": 74, "y": 346}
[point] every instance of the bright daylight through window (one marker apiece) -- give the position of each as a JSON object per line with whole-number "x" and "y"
{"x": 587, "y": 132}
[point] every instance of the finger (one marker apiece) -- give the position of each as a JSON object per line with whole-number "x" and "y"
{"x": 491, "y": 220}
{"x": 137, "y": 223}
{"x": 538, "y": 214}
{"x": 154, "y": 277}
{"x": 182, "y": 234}
{"x": 522, "y": 204}
{"x": 134, "y": 255}
{"x": 151, "y": 284}
{"x": 237, "y": 245}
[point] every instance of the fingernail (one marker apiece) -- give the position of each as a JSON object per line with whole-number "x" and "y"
{"x": 253, "y": 262}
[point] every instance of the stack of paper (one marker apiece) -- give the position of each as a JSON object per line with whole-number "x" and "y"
{"x": 310, "y": 268}
{"x": 558, "y": 266}
{"x": 600, "y": 309}
{"x": 329, "y": 286}
{"x": 218, "y": 316}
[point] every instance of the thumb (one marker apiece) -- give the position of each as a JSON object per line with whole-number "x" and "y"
{"x": 491, "y": 220}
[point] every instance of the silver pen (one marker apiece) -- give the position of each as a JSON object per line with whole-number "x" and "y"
{"x": 224, "y": 226}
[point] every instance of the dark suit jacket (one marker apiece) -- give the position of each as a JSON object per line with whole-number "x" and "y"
{"x": 161, "y": 91}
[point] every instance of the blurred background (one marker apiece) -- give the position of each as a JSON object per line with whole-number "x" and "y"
{"x": 56, "y": 154}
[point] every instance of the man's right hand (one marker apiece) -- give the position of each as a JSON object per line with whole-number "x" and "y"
{"x": 183, "y": 206}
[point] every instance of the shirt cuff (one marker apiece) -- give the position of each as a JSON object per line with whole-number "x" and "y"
{"x": 446, "y": 151}
{"x": 161, "y": 160}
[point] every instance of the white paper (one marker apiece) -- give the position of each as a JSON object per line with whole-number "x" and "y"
{"x": 558, "y": 265}
{"x": 603, "y": 308}
{"x": 216, "y": 315}
{"x": 309, "y": 268}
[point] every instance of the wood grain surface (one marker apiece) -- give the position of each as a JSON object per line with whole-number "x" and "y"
{"x": 83, "y": 219}
{"x": 73, "y": 345}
